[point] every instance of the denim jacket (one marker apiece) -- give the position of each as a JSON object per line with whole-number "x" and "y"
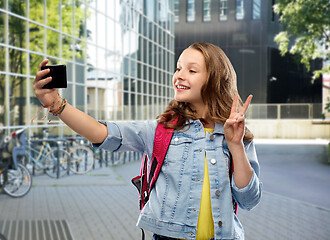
{"x": 173, "y": 207}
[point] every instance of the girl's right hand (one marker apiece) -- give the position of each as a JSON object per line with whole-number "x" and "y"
{"x": 46, "y": 96}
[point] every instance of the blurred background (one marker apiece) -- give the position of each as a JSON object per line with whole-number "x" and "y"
{"x": 121, "y": 55}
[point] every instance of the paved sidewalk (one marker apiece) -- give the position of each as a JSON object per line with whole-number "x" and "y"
{"x": 103, "y": 205}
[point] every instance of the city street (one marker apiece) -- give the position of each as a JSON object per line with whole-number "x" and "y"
{"x": 295, "y": 169}
{"x": 103, "y": 204}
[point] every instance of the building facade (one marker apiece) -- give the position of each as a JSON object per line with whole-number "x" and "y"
{"x": 245, "y": 30}
{"x": 119, "y": 56}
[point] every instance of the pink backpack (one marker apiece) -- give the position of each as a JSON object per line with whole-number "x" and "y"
{"x": 144, "y": 182}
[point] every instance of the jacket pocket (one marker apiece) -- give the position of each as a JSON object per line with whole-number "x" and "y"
{"x": 178, "y": 149}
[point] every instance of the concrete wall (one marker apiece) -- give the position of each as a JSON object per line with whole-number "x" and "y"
{"x": 290, "y": 129}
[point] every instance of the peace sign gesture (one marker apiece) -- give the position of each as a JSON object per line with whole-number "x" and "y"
{"x": 234, "y": 126}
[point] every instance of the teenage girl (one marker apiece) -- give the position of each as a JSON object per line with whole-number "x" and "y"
{"x": 193, "y": 196}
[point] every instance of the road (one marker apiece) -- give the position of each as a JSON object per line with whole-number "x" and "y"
{"x": 294, "y": 170}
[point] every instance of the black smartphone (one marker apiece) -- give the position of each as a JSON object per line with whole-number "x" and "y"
{"x": 58, "y": 74}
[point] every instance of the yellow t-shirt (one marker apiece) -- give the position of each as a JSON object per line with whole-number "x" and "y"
{"x": 205, "y": 227}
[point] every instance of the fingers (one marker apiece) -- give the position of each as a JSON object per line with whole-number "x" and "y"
{"x": 246, "y": 105}
{"x": 41, "y": 74}
{"x": 238, "y": 118}
{"x": 43, "y": 63}
{"x": 40, "y": 82}
{"x": 234, "y": 106}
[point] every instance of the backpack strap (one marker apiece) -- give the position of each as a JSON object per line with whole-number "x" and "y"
{"x": 144, "y": 182}
{"x": 140, "y": 182}
{"x": 231, "y": 169}
{"x": 162, "y": 141}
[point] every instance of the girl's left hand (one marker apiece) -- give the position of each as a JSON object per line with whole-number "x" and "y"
{"x": 234, "y": 126}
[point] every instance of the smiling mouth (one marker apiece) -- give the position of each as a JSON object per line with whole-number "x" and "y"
{"x": 182, "y": 87}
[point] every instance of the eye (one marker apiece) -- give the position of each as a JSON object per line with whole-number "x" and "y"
{"x": 177, "y": 69}
{"x": 192, "y": 71}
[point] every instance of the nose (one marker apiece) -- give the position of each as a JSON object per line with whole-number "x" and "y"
{"x": 180, "y": 75}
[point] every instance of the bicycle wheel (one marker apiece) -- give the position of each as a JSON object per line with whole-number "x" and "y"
{"x": 18, "y": 181}
{"x": 56, "y": 161}
{"x": 82, "y": 160}
{"x": 32, "y": 161}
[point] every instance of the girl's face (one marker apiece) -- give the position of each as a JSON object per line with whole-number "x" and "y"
{"x": 189, "y": 77}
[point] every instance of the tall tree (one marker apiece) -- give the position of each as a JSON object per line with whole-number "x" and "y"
{"x": 309, "y": 22}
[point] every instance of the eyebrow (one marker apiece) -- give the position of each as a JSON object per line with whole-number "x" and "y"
{"x": 190, "y": 63}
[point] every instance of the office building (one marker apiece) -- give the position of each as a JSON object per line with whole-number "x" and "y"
{"x": 245, "y": 30}
{"x": 119, "y": 56}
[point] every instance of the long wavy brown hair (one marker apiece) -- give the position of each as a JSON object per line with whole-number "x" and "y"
{"x": 217, "y": 92}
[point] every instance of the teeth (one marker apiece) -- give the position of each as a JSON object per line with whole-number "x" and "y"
{"x": 182, "y": 87}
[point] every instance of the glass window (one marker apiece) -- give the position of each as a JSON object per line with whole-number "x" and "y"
{"x": 35, "y": 60}
{"x": 2, "y": 59}
{"x": 223, "y": 11}
{"x": 256, "y": 9}
{"x": 239, "y": 9}
{"x": 2, "y": 27}
{"x": 101, "y": 29}
{"x": 17, "y": 6}
{"x": 191, "y": 10}
{"x": 53, "y": 14}
{"x": 207, "y": 10}
{"x": 101, "y": 5}
{"x": 67, "y": 43}
{"x": 111, "y": 9}
{"x": 151, "y": 10}
{"x": 163, "y": 15}
{"x": 3, "y": 112}
{"x": 36, "y": 11}
{"x": 67, "y": 17}
{"x": 17, "y": 100}
{"x": 176, "y": 10}
{"x": 17, "y": 32}
{"x": 273, "y": 12}
{"x": 53, "y": 40}
{"x": 36, "y": 37}
{"x": 17, "y": 61}
{"x": 2, "y": 4}
{"x": 110, "y": 48}
{"x": 80, "y": 20}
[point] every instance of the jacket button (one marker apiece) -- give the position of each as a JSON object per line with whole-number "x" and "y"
{"x": 213, "y": 161}
{"x": 220, "y": 224}
{"x": 217, "y": 192}
{"x": 176, "y": 139}
{"x": 212, "y": 137}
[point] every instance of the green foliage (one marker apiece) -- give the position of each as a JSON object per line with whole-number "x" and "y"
{"x": 65, "y": 15}
{"x": 309, "y": 22}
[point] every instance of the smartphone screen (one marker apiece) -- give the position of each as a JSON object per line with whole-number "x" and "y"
{"x": 58, "y": 74}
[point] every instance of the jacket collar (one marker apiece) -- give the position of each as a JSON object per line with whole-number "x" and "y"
{"x": 218, "y": 128}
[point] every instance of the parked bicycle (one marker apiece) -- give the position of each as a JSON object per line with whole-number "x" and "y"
{"x": 46, "y": 159}
{"x": 15, "y": 178}
{"x": 82, "y": 157}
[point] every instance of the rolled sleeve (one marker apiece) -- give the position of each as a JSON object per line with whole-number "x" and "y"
{"x": 113, "y": 140}
{"x": 134, "y": 136}
{"x": 249, "y": 196}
